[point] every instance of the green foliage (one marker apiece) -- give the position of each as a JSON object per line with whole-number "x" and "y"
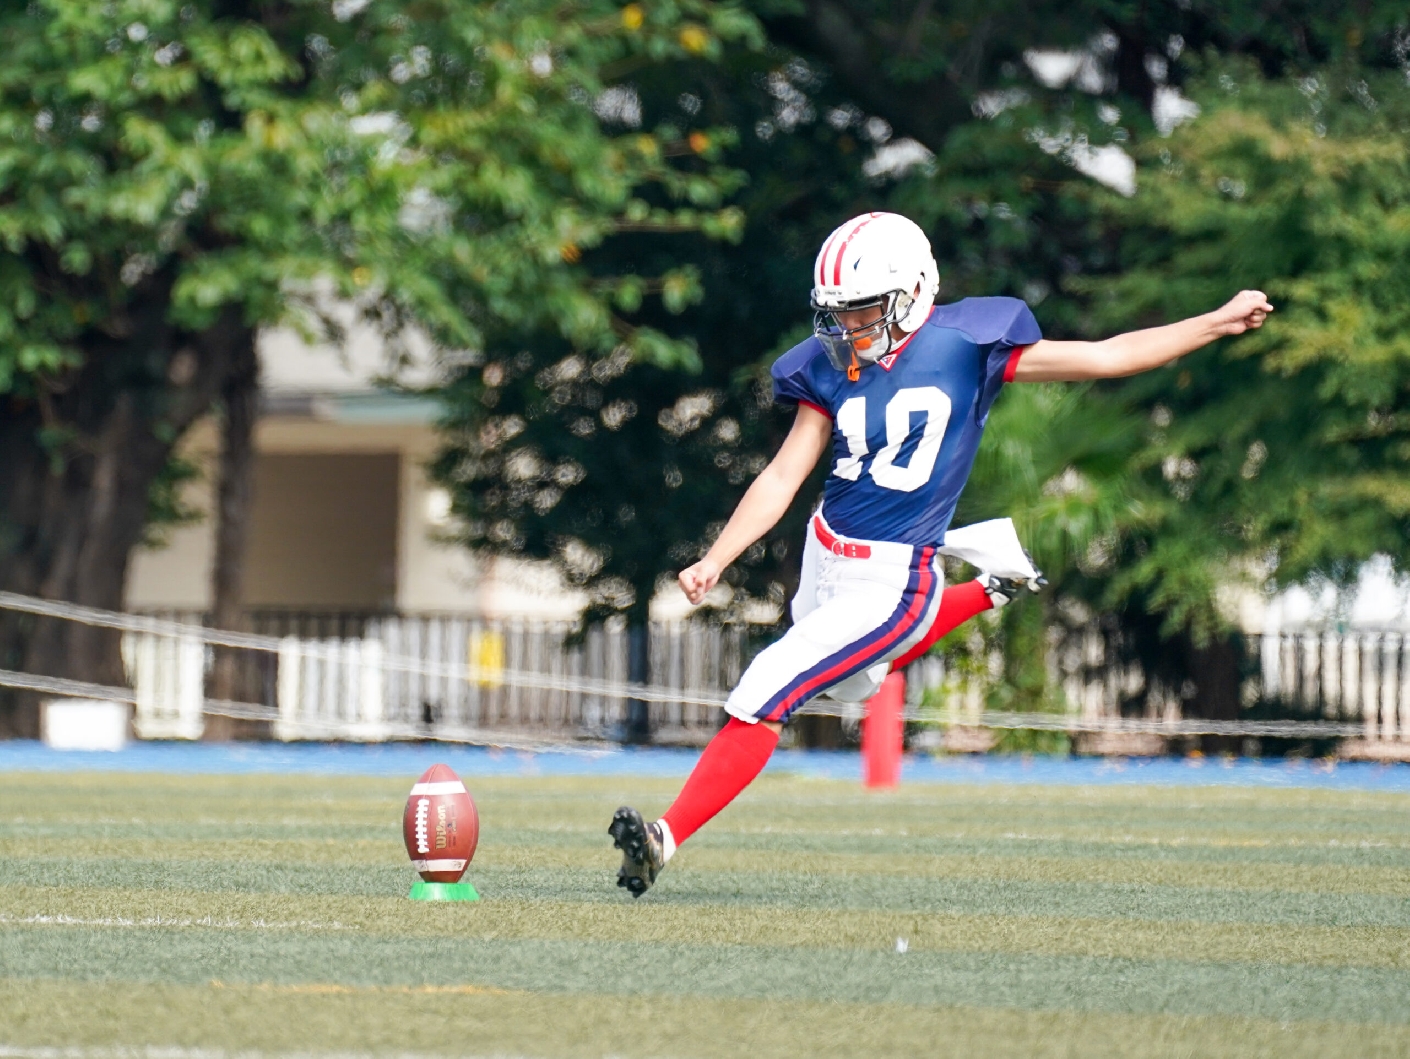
{"x": 1004, "y": 216}
{"x": 1264, "y": 460}
{"x": 441, "y": 163}
{"x": 167, "y": 507}
{"x": 622, "y": 282}
{"x": 1281, "y": 454}
{"x": 621, "y": 472}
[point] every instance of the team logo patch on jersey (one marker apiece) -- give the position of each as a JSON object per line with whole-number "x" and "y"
{"x": 888, "y": 360}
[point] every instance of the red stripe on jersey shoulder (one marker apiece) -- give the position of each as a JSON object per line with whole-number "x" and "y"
{"x": 816, "y": 408}
{"x": 1011, "y": 368}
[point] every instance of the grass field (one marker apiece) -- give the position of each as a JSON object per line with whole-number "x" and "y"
{"x": 267, "y": 914}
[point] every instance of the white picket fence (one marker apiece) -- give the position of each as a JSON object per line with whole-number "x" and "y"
{"x": 453, "y": 677}
{"x": 167, "y": 675}
{"x": 1360, "y": 675}
{"x": 445, "y": 676}
{"x": 1308, "y": 683}
{"x": 332, "y": 689}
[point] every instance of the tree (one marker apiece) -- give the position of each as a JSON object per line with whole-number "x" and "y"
{"x": 239, "y": 411}
{"x": 1261, "y": 462}
{"x": 1283, "y": 456}
{"x": 922, "y": 66}
{"x": 620, "y": 473}
{"x": 175, "y": 176}
{"x": 616, "y": 469}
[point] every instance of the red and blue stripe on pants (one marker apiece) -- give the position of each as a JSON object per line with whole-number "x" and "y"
{"x": 904, "y": 621}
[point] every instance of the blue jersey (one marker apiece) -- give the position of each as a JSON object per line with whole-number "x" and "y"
{"x": 904, "y": 436}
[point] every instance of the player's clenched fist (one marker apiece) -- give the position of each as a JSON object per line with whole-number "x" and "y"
{"x": 1244, "y": 311}
{"x": 697, "y": 580}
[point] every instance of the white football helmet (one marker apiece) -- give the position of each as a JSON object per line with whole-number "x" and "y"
{"x": 877, "y": 259}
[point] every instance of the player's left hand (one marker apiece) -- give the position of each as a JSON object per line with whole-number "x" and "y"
{"x": 1243, "y": 312}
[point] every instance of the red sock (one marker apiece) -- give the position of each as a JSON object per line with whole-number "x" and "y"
{"x": 958, "y": 604}
{"x": 729, "y": 763}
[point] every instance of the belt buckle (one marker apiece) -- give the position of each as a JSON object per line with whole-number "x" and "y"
{"x": 838, "y": 548}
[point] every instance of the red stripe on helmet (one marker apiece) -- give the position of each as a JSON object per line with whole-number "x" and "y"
{"x": 837, "y": 265}
{"x": 822, "y": 257}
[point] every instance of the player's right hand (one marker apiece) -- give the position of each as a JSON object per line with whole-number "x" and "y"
{"x": 696, "y": 581}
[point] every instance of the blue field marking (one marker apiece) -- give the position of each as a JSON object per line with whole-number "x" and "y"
{"x": 411, "y": 759}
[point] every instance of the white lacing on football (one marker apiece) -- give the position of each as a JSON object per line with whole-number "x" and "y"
{"x": 423, "y": 842}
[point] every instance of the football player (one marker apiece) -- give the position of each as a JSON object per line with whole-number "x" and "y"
{"x": 900, "y": 389}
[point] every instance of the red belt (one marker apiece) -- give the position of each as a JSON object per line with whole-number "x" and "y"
{"x": 837, "y": 547}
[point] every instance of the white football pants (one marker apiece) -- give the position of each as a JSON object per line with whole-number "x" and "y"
{"x": 870, "y": 602}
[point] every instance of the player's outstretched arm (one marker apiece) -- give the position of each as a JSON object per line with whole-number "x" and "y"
{"x": 764, "y": 503}
{"x": 1138, "y": 351}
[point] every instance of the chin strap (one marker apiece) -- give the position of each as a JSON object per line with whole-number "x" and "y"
{"x": 854, "y": 370}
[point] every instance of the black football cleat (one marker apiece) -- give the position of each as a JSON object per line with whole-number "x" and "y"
{"x": 1001, "y": 590}
{"x": 643, "y": 856}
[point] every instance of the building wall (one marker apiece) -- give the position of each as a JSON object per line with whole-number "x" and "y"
{"x": 323, "y": 531}
{"x": 176, "y": 573}
{"x": 343, "y": 517}
{"x": 343, "y": 513}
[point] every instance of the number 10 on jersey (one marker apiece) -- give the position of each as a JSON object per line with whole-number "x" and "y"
{"x": 931, "y": 401}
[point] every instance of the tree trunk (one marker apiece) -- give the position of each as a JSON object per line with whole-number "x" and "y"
{"x": 1215, "y": 668}
{"x": 240, "y": 398}
{"x": 80, "y": 457}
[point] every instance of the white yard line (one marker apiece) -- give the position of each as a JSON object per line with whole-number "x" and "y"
{"x": 167, "y": 921}
{"x": 155, "y": 1052}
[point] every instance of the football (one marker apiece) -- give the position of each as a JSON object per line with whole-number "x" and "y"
{"x": 441, "y": 826}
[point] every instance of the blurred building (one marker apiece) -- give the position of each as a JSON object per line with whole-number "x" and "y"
{"x": 344, "y": 518}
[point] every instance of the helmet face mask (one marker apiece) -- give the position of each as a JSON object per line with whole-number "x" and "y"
{"x": 867, "y": 343}
{"x": 878, "y": 261}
